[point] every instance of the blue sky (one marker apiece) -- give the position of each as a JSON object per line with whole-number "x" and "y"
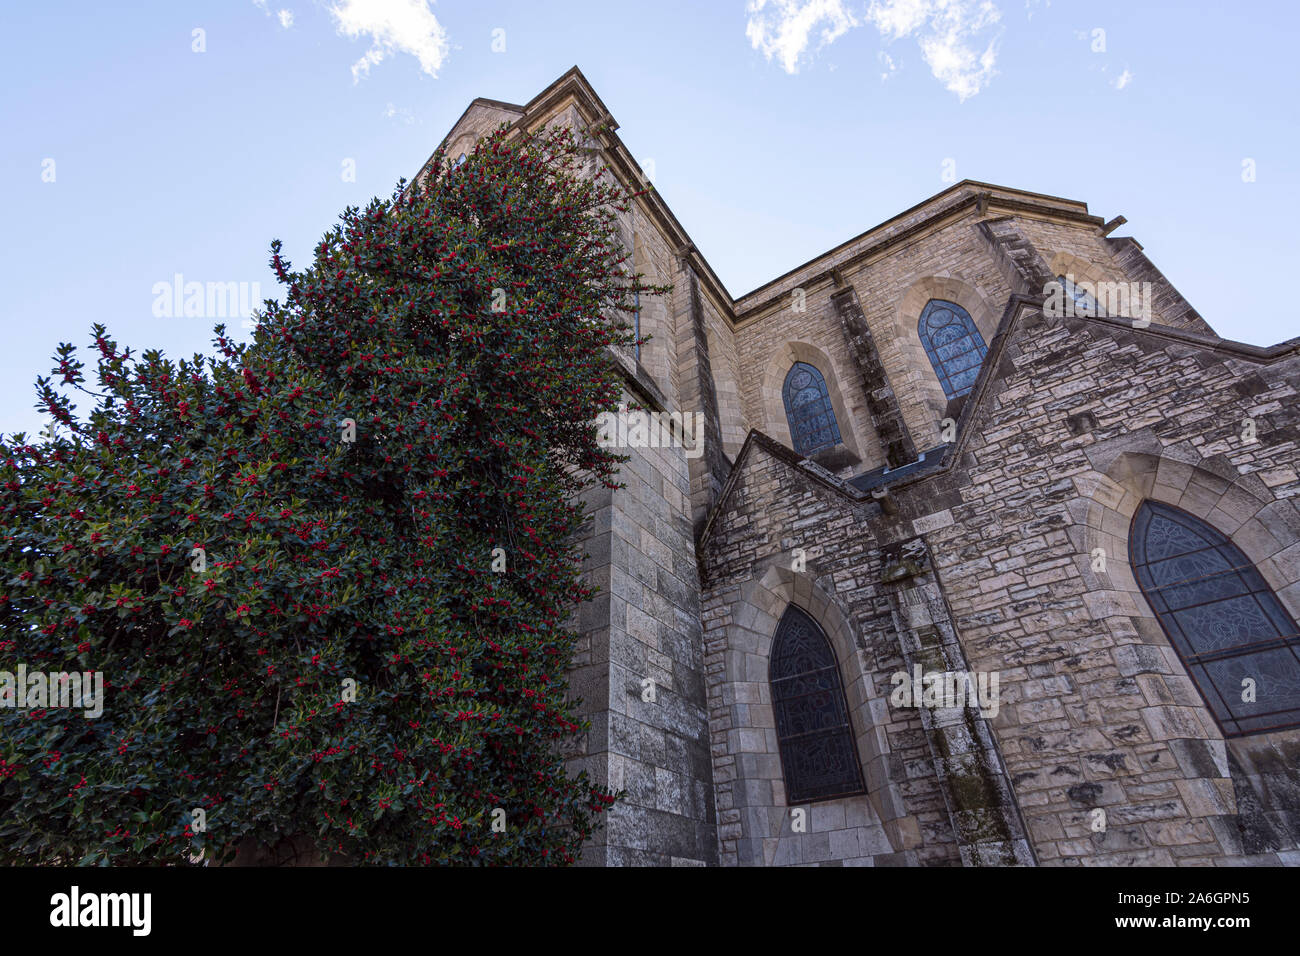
{"x": 776, "y": 128}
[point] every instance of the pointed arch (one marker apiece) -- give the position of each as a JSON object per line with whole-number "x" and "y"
{"x": 815, "y": 738}
{"x": 808, "y": 409}
{"x": 857, "y": 436}
{"x": 953, "y": 344}
{"x": 1076, "y": 269}
{"x": 748, "y": 777}
{"x": 921, "y": 397}
{"x": 1238, "y": 643}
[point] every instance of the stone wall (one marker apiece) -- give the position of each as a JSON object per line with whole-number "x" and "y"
{"x": 1081, "y": 421}
{"x": 1089, "y": 255}
{"x": 806, "y": 330}
{"x": 773, "y": 507}
{"x": 1072, "y": 424}
{"x": 639, "y": 670}
{"x": 951, "y": 258}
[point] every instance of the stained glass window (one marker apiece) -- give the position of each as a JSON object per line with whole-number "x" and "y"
{"x": 1084, "y": 304}
{"x": 808, "y": 409}
{"x": 818, "y": 753}
{"x": 1238, "y": 643}
{"x": 955, "y": 347}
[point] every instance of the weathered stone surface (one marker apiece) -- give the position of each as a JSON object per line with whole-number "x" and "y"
{"x": 1102, "y": 750}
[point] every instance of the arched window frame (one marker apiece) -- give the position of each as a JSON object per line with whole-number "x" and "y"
{"x": 1084, "y": 303}
{"x": 812, "y": 421}
{"x": 956, "y": 363}
{"x": 1191, "y": 606}
{"x": 812, "y": 714}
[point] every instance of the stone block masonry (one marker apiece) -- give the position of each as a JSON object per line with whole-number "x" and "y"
{"x": 982, "y": 558}
{"x": 640, "y": 672}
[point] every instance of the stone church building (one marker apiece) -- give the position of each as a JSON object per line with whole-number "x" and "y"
{"x": 986, "y": 437}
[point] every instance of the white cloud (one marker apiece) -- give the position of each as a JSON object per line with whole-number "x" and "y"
{"x": 950, "y": 33}
{"x": 401, "y": 115}
{"x": 784, "y": 28}
{"x": 947, "y": 32}
{"x": 898, "y": 18}
{"x": 1123, "y": 80}
{"x": 285, "y": 16}
{"x": 890, "y": 67}
{"x": 394, "y": 26}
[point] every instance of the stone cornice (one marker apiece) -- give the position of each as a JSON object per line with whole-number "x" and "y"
{"x": 965, "y": 198}
{"x": 971, "y": 203}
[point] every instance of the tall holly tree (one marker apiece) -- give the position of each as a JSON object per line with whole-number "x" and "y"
{"x": 326, "y": 574}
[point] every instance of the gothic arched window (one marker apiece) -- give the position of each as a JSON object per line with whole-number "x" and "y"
{"x": 818, "y": 753}
{"x": 1238, "y": 643}
{"x": 1084, "y": 304}
{"x": 955, "y": 346}
{"x": 808, "y": 410}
